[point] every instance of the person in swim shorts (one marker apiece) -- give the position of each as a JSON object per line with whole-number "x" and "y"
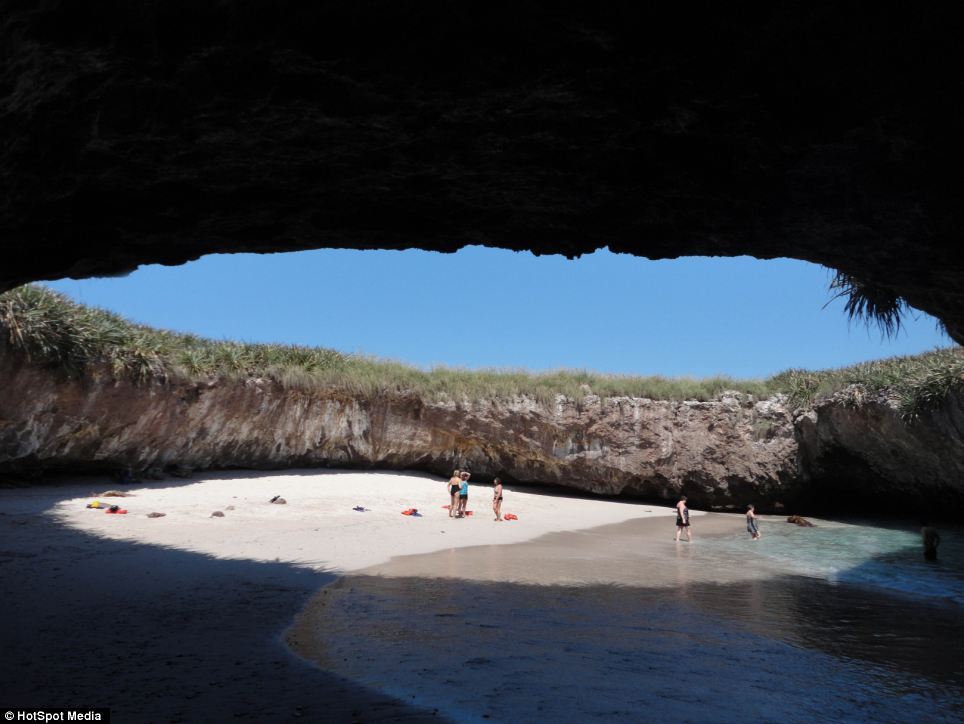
{"x": 751, "y": 526}
{"x": 497, "y": 499}
{"x": 453, "y": 487}
{"x": 463, "y": 494}
{"x": 683, "y": 519}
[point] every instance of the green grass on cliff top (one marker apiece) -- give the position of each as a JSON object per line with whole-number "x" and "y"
{"x": 51, "y": 329}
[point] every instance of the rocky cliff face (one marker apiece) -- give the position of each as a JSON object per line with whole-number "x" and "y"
{"x": 722, "y": 453}
{"x": 858, "y": 454}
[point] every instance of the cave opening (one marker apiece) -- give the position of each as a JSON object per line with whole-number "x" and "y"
{"x": 485, "y": 308}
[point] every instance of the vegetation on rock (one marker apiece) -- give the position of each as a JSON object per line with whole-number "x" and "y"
{"x": 51, "y": 329}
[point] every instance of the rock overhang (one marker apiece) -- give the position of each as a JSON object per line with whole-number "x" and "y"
{"x": 146, "y": 132}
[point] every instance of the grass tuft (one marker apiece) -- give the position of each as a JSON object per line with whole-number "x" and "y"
{"x": 869, "y": 303}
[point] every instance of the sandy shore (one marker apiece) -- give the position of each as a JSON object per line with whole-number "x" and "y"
{"x": 181, "y": 618}
{"x": 620, "y": 623}
{"x": 185, "y": 618}
{"x": 636, "y": 552}
{"x": 629, "y": 553}
{"x": 318, "y": 529}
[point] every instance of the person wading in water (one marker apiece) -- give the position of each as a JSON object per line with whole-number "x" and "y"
{"x": 683, "y": 519}
{"x": 751, "y": 526}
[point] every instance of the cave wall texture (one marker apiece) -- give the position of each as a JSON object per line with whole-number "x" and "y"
{"x": 137, "y": 131}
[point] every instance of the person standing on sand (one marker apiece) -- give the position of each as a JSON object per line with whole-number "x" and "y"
{"x": 497, "y": 499}
{"x": 751, "y": 526}
{"x": 463, "y": 494}
{"x": 453, "y": 487}
{"x": 683, "y": 519}
{"x": 931, "y": 539}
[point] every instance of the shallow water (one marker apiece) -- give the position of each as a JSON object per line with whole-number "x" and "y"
{"x": 863, "y": 554}
{"x": 843, "y": 622}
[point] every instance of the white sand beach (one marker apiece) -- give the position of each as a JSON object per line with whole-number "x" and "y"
{"x": 182, "y": 618}
{"x": 318, "y": 529}
{"x": 186, "y": 617}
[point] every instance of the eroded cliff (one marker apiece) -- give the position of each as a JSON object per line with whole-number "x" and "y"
{"x": 858, "y": 453}
{"x": 721, "y": 453}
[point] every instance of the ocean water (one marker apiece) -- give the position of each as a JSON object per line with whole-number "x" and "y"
{"x": 842, "y": 622}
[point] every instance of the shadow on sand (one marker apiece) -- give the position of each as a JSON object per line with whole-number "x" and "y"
{"x": 156, "y": 634}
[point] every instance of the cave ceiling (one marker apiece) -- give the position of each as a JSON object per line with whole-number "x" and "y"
{"x": 141, "y": 131}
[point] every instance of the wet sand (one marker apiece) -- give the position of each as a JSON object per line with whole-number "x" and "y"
{"x": 611, "y": 554}
{"x": 607, "y": 555}
{"x": 621, "y": 622}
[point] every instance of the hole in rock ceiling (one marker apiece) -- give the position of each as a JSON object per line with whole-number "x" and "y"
{"x": 484, "y": 307}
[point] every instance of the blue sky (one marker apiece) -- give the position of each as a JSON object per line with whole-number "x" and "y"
{"x": 493, "y": 308}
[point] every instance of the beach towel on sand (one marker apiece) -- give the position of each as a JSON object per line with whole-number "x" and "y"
{"x": 510, "y": 516}
{"x": 413, "y": 512}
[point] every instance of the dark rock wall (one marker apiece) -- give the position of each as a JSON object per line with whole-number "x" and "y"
{"x": 850, "y": 448}
{"x": 722, "y": 454}
{"x": 135, "y": 131}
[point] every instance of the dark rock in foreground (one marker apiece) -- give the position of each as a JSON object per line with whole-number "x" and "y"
{"x": 144, "y": 131}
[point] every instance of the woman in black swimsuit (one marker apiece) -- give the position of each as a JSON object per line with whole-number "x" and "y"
{"x": 453, "y": 486}
{"x": 497, "y": 499}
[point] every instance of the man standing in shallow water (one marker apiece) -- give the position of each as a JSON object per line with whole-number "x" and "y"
{"x": 751, "y": 526}
{"x": 683, "y": 519}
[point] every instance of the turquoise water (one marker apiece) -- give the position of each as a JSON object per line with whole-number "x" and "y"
{"x": 858, "y": 553}
{"x": 841, "y": 622}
